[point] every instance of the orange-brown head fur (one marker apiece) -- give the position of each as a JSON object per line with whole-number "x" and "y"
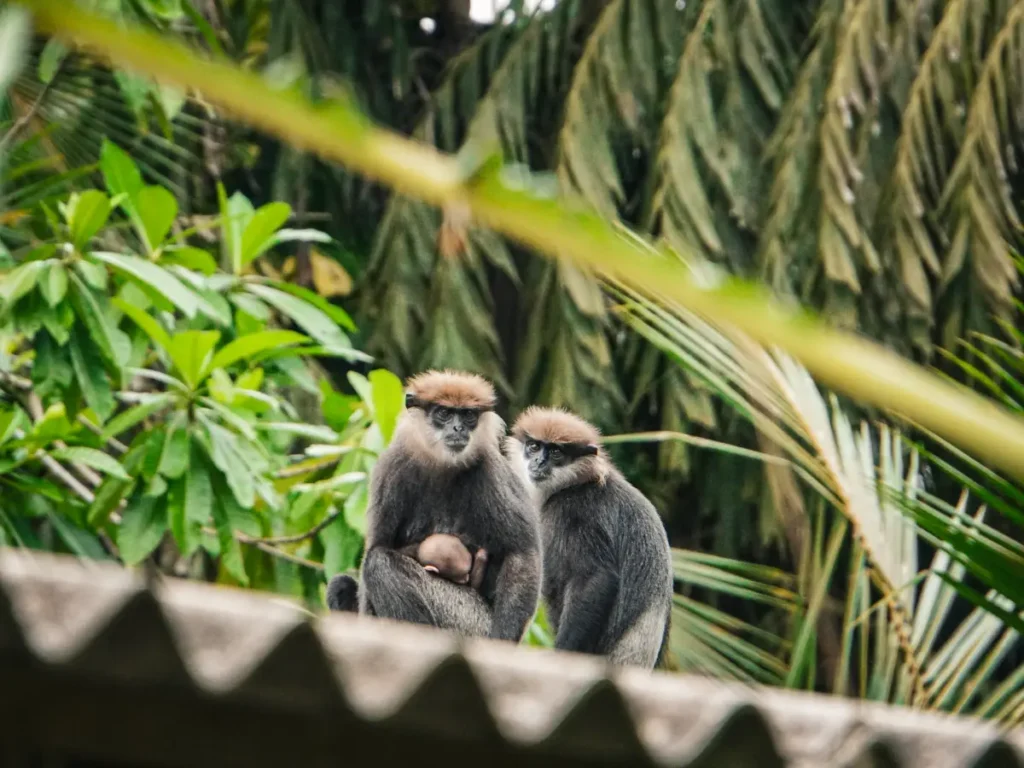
{"x": 454, "y": 389}
{"x": 558, "y": 426}
{"x": 450, "y": 389}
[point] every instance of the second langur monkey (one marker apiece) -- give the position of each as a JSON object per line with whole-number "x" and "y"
{"x": 446, "y": 556}
{"x": 607, "y": 564}
{"x": 444, "y": 472}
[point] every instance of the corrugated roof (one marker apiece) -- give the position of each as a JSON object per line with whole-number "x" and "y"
{"x": 188, "y": 674}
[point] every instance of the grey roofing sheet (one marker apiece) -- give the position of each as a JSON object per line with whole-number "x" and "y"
{"x": 187, "y": 674}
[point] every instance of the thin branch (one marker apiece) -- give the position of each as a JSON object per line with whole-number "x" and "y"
{"x": 263, "y": 546}
{"x": 295, "y": 539}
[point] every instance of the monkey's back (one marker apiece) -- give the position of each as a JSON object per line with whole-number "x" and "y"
{"x": 611, "y": 526}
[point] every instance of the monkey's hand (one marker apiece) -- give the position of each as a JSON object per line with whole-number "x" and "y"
{"x": 431, "y": 569}
{"x": 479, "y": 570}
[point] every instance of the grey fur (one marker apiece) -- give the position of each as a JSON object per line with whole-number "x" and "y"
{"x": 431, "y": 480}
{"x": 607, "y": 562}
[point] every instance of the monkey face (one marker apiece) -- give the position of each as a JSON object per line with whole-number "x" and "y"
{"x": 453, "y": 426}
{"x": 543, "y": 459}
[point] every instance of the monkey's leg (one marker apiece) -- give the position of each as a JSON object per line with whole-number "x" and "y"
{"x": 399, "y": 588}
{"x": 343, "y": 593}
{"x": 641, "y": 644}
{"x": 586, "y": 612}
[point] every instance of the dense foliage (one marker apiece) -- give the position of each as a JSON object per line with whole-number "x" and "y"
{"x": 181, "y": 386}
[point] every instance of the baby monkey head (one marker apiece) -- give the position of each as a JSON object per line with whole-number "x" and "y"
{"x": 454, "y": 412}
{"x": 558, "y": 449}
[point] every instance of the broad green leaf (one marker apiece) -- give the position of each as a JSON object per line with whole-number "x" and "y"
{"x": 134, "y": 88}
{"x": 230, "y": 549}
{"x": 195, "y": 259}
{"x": 224, "y": 452}
{"x": 388, "y": 400}
{"x": 157, "y": 209}
{"x": 15, "y": 36}
{"x": 20, "y": 281}
{"x": 336, "y": 313}
{"x": 89, "y": 215}
{"x": 312, "y": 431}
{"x": 135, "y": 415}
{"x": 342, "y": 544}
{"x": 50, "y": 59}
{"x": 54, "y": 284}
{"x": 146, "y": 322}
{"x": 143, "y": 525}
{"x": 91, "y": 457}
{"x": 54, "y": 425}
{"x": 87, "y": 363}
{"x": 114, "y": 344}
{"x": 157, "y": 278}
{"x": 190, "y": 351}
{"x": 93, "y": 274}
{"x": 315, "y": 322}
{"x": 81, "y": 542}
{"x": 363, "y": 388}
{"x": 120, "y": 173}
{"x": 108, "y": 497}
{"x": 174, "y": 461}
{"x": 199, "y": 499}
{"x": 235, "y": 215}
{"x": 253, "y": 343}
{"x": 258, "y": 234}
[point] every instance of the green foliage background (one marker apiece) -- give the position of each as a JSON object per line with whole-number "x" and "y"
{"x": 182, "y": 386}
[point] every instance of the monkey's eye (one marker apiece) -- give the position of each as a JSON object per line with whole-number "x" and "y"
{"x": 532, "y": 446}
{"x": 442, "y": 413}
{"x": 469, "y": 418}
{"x": 556, "y": 454}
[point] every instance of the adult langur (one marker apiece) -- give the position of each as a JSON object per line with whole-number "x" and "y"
{"x": 444, "y": 472}
{"x": 607, "y": 564}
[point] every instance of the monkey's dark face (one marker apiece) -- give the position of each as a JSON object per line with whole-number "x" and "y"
{"x": 453, "y": 426}
{"x": 543, "y": 459}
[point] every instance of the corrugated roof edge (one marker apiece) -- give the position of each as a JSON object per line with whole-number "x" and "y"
{"x": 101, "y": 622}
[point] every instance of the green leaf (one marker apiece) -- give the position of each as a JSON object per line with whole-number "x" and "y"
{"x": 20, "y": 281}
{"x": 89, "y": 215}
{"x": 91, "y": 457}
{"x": 157, "y": 209}
{"x": 120, "y": 173}
{"x": 258, "y": 234}
{"x": 174, "y": 460}
{"x": 135, "y": 415}
{"x": 146, "y": 322}
{"x": 315, "y": 322}
{"x": 230, "y": 549}
{"x": 336, "y": 313}
{"x": 195, "y": 259}
{"x": 93, "y": 274}
{"x": 90, "y": 374}
{"x": 53, "y": 426}
{"x": 142, "y": 527}
{"x": 191, "y": 502}
{"x": 108, "y": 496}
{"x": 50, "y": 59}
{"x": 388, "y": 400}
{"x": 158, "y": 279}
{"x": 341, "y": 546}
{"x": 190, "y": 351}
{"x": 15, "y": 34}
{"x": 301, "y": 236}
{"x": 235, "y": 215}
{"x": 54, "y": 285}
{"x": 114, "y": 344}
{"x": 226, "y": 456}
{"x": 253, "y": 343}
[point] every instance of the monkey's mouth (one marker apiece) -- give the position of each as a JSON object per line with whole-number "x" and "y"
{"x": 456, "y": 446}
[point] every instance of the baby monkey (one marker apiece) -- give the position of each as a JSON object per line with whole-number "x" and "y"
{"x": 446, "y": 556}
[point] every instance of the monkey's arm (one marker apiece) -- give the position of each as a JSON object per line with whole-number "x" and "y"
{"x": 586, "y": 611}
{"x": 517, "y": 591}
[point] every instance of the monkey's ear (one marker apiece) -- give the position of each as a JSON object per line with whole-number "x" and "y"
{"x": 589, "y": 450}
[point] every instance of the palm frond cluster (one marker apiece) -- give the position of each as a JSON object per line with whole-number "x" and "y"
{"x": 860, "y": 156}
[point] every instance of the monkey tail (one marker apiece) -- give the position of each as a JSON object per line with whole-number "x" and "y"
{"x": 343, "y": 593}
